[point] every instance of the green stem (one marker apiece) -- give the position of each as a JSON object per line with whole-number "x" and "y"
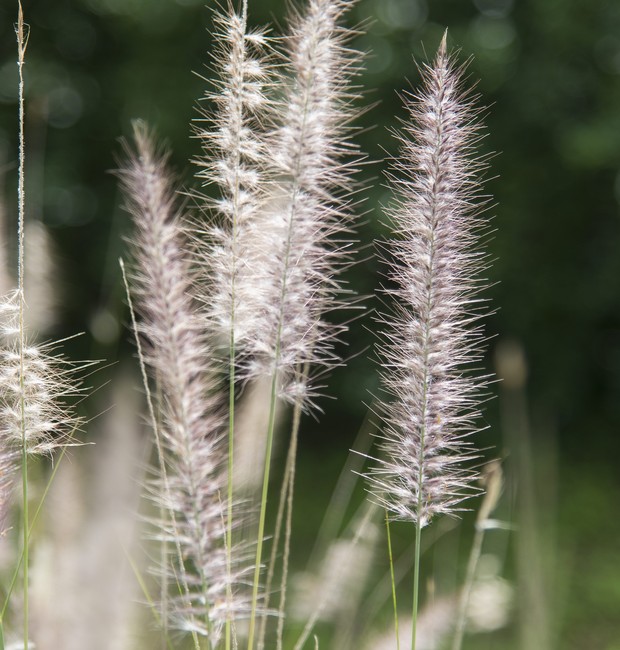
{"x": 392, "y": 579}
{"x": 231, "y": 442}
{"x": 22, "y": 42}
{"x": 158, "y": 442}
{"x": 263, "y": 505}
{"x": 289, "y": 514}
{"x": 284, "y": 503}
{"x": 274, "y": 551}
{"x": 25, "y": 536}
{"x": 32, "y": 524}
{"x": 416, "y": 582}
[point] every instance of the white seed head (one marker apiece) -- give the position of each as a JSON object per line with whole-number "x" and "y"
{"x": 300, "y": 233}
{"x": 191, "y": 490}
{"x": 433, "y": 336}
{"x": 36, "y": 386}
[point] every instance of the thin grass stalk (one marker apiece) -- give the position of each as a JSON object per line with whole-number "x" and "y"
{"x": 291, "y": 463}
{"x": 263, "y": 507}
{"x": 285, "y": 505}
{"x": 271, "y": 427}
{"x": 22, "y": 42}
{"x": 282, "y": 501}
{"x": 149, "y": 599}
{"x": 307, "y": 631}
{"x": 231, "y": 447}
{"x": 416, "y": 584}
{"x": 268, "y": 452}
{"x": 20, "y": 560}
{"x": 231, "y": 465}
{"x": 270, "y": 431}
{"x": 418, "y": 521}
{"x": 392, "y": 578}
{"x": 156, "y": 429}
{"x": 160, "y": 458}
{"x": 157, "y": 424}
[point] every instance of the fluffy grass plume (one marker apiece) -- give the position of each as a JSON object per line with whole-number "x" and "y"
{"x": 231, "y": 134}
{"x": 36, "y": 387}
{"x": 433, "y": 336}
{"x": 192, "y": 485}
{"x": 304, "y": 220}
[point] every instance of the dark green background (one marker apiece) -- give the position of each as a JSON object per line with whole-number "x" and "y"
{"x": 549, "y": 71}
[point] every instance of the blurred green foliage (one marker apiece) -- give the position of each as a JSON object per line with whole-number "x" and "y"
{"x": 549, "y": 71}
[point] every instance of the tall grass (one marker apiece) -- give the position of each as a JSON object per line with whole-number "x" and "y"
{"x": 433, "y": 334}
{"x": 36, "y": 383}
{"x": 247, "y": 286}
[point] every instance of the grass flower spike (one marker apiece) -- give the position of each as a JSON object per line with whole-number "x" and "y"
{"x": 434, "y": 335}
{"x": 192, "y": 485}
{"x": 234, "y": 159}
{"x": 36, "y": 385}
{"x": 300, "y": 231}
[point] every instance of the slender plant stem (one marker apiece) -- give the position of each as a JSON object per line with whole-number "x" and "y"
{"x": 25, "y": 528}
{"x": 418, "y": 521}
{"x": 263, "y": 505}
{"x": 416, "y": 583}
{"x": 418, "y": 525}
{"x": 163, "y": 513}
{"x": 231, "y": 442}
{"x": 22, "y": 42}
{"x": 284, "y": 503}
{"x": 389, "y": 542}
{"x": 274, "y": 550}
{"x": 32, "y": 524}
{"x": 292, "y": 455}
{"x": 274, "y": 385}
{"x": 309, "y": 626}
{"x": 160, "y": 451}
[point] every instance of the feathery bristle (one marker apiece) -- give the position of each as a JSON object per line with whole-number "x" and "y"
{"x": 35, "y": 388}
{"x": 300, "y": 230}
{"x": 232, "y": 139}
{"x": 434, "y": 335}
{"x": 191, "y": 489}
